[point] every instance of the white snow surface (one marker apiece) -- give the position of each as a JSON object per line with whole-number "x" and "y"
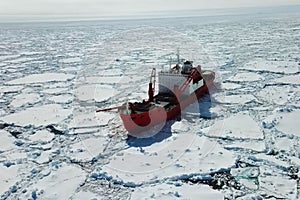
{"x": 230, "y": 86}
{"x": 237, "y": 126}
{"x": 292, "y": 79}
{"x": 246, "y": 77}
{"x": 60, "y": 184}
{"x": 8, "y": 177}
{"x": 86, "y": 149}
{"x": 42, "y": 136}
{"x": 235, "y": 99}
{"x": 6, "y": 141}
{"x": 25, "y": 98}
{"x": 170, "y": 192}
{"x": 38, "y": 116}
{"x": 276, "y": 94}
{"x": 41, "y": 78}
{"x": 286, "y": 67}
{"x": 286, "y": 122}
{"x": 183, "y": 154}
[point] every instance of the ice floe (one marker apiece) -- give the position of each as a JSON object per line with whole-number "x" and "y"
{"x": 71, "y": 60}
{"x": 277, "y": 185}
{"x": 8, "y": 177}
{"x": 292, "y": 79}
{"x": 287, "y": 67}
{"x": 230, "y": 86}
{"x": 60, "y": 184}
{"x": 258, "y": 146}
{"x": 55, "y": 90}
{"x": 246, "y": 77}
{"x": 41, "y": 78}
{"x": 6, "y": 141}
{"x": 42, "y": 136}
{"x": 94, "y": 92}
{"x": 65, "y": 98}
{"x": 237, "y": 126}
{"x": 178, "y": 156}
{"x": 38, "y": 116}
{"x": 25, "y": 98}
{"x": 286, "y": 122}
{"x": 184, "y": 191}
{"x": 87, "y": 149}
{"x": 235, "y": 99}
{"x": 11, "y": 89}
{"x": 275, "y": 94}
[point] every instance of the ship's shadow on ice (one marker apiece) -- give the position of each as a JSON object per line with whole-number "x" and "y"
{"x": 161, "y": 135}
{"x": 201, "y": 108}
{"x": 205, "y": 105}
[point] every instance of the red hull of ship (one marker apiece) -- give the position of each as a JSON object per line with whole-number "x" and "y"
{"x": 136, "y": 123}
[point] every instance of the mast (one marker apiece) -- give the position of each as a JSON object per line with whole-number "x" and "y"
{"x": 151, "y": 88}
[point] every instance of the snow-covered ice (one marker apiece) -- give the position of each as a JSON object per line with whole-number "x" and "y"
{"x": 87, "y": 149}
{"x": 185, "y": 191}
{"x": 6, "y": 141}
{"x": 246, "y": 76}
{"x": 286, "y": 122}
{"x": 287, "y": 67}
{"x": 239, "y": 99}
{"x": 244, "y": 145}
{"x": 38, "y": 116}
{"x": 59, "y": 184}
{"x": 25, "y": 98}
{"x": 276, "y": 94}
{"x": 292, "y": 79}
{"x": 236, "y": 126}
{"x": 181, "y": 155}
{"x": 8, "y": 177}
{"x": 42, "y": 136}
{"x": 40, "y": 78}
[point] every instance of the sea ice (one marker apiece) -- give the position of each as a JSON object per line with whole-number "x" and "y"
{"x": 87, "y": 149}
{"x": 287, "y": 67}
{"x": 276, "y": 184}
{"x": 6, "y": 141}
{"x": 87, "y": 195}
{"x": 71, "y": 60}
{"x": 258, "y": 146}
{"x": 94, "y": 92}
{"x": 11, "y": 89}
{"x": 42, "y": 136}
{"x": 8, "y": 177}
{"x": 41, "y": 78}
{"x": 60, "y": 184}
{"x": 176, "y": 157}
{"x": 286, "y": 122}
{"x": 246, "y": 77}
{"x": 292, "y": 79}
{"x": 275, "y": 94}
{"x": 230, "y": 86}
{"x": 165, "y": 191}
{"x": 55, "y": 90}
{"x": 239, "y": 125}
{"x": 38, "y": 116}
{"x": 235, "y": 99}
{"x": 65, "y": 98}
{"x": 25, "y": 98}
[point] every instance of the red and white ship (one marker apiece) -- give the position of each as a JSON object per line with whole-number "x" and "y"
{"x": 179, "y": 87}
